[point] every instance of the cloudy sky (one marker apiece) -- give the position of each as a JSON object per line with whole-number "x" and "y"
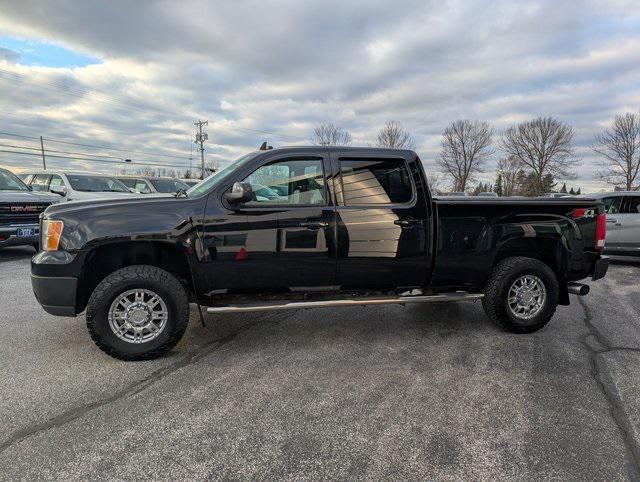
{"x": 134, "y": 76}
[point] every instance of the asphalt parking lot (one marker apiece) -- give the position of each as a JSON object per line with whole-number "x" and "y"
{"x": 379, "y": 392}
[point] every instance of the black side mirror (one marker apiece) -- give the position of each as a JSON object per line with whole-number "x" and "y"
{"x": 241, "y": 192}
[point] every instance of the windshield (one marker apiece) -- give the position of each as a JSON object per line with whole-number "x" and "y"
{"x": 219, "y": 176}
{"x": 11, "y": 182}
{"x": 168, "y": 185}
{"x": 89, "y": 183}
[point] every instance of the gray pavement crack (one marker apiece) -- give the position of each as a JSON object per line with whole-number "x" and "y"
{"x": 77, "y": 412}
{"x": 615, "y": 406}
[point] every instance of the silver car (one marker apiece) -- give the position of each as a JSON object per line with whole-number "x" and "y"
{"x": 73, "y": 186}
{"x": 151, "y": 185}
{"x": 623, "y": 222}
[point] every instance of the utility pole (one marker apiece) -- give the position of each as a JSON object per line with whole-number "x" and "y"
{"x": 200, "y": 138}
{"x": 44, "y": 163}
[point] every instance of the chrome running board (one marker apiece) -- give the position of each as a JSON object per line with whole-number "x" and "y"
{"x": 397, "y": 300}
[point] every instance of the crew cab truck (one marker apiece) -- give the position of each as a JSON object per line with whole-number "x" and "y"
{"x": 309, "y": 227}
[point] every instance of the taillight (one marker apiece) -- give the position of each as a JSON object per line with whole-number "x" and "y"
{"x": 601, "y": 230}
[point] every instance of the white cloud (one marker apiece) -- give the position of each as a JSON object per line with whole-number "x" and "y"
{"x": 285, "y": 66}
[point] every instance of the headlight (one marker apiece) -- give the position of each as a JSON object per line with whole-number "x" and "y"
{"x": 51, "y": 233}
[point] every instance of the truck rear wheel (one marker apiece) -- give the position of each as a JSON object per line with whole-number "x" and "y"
{"x": 521, "y": 295}
{"x": 138, "y": 313}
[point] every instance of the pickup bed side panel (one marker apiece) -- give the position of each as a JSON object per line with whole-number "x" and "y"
{"x": 472, "y": 237}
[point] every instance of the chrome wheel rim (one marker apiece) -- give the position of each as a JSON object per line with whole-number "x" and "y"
{"x": 138, "y": 316}
{"x": 527, "y": 296}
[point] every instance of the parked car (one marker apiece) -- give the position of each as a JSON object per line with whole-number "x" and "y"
{"x": 623, "y": 222}
{"x": 458, "y": 193}
{"x": 190, "y": 182}
{"x": 19, "y": 211}
{"x": 488, "y": 194}
{"x": 557, "y": 194}
{"x": 152, "y": 185}
{"x": 349, "y": 226}
{"x": 72, "y": 186}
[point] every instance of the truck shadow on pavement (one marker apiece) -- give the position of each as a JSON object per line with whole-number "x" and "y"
{"x": 16, "y": 253}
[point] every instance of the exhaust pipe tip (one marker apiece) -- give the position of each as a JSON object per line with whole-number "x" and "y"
{"x": 578, "y": 289}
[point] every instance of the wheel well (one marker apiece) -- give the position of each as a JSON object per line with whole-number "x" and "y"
{"x": 548, "y": 250}
{"x": 104, "y": 260}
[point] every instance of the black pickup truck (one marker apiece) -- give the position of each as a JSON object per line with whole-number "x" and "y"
{"x": 20, "y": 208}
{"x": 306, "y": 227}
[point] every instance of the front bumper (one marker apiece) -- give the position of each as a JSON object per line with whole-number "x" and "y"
{"x": 56, "y": 295}
{"x": 600, "y": 268}
{"x": 9, "y": 235}
{"x": 54, "y": 279}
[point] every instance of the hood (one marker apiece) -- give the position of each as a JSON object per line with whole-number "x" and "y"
{"x": 124, "y": 219}
{"x": 120, "y": 203}
{"x": 100, "y": 195}
{"x": 28, "y": 196}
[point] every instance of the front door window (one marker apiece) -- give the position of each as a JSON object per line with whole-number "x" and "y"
{"x": 291, "y": 182}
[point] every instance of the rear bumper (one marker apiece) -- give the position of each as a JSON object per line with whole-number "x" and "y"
{"x": 600, "y": 268}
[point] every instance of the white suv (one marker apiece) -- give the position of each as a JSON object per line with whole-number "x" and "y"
{"x": 74, "y": 186}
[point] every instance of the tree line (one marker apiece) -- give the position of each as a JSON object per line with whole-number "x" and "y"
{"x": 532, "y": 154}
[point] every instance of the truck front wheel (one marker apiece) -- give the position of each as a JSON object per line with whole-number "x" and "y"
{"x": 138, "y": 313}
{"x": 521, "y": 295}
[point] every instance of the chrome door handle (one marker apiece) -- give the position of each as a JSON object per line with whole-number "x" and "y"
{"x": 407, "y": 223}
{"x": 313, "y": 224}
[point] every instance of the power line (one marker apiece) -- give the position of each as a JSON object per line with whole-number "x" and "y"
{"x": 96, "y": 160}
{"x": 106, "y": 148}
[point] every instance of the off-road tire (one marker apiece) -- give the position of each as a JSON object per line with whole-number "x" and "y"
{"x": 497, "y": 289}
{"x": 161, "y": 282}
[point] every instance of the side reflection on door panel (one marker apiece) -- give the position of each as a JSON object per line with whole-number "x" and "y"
{"x": 371, "y": 232}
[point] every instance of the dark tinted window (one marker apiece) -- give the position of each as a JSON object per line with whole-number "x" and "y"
{"x": 612, "y": 204}
{"x": 633, "y": 205}
{"x": 375, "y": 181}
{"x": 128, "y": 181}
{"x": 89, "y": 183}
{"x": 10, "y": 182}
{"x": 168, "y": 185}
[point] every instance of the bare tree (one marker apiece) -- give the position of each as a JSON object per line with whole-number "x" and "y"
{"x": 466, "y": 145}
{"x": 331, "y": 135}
{"x": 510, "y": 168}
{"x": 394, "y": 136}
{"x": 620, "y": 147}
{"x": 435, "y": 181}
{"x": 544, "y": 145}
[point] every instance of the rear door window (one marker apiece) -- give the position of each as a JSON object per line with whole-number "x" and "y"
{"x": 375, "y": 181}
{"x": 633, "y": 205}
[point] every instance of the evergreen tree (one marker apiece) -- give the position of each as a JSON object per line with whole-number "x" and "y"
{"x": 579, "y": 191}
{"x": 498, "y": 185}
{"x": 548, "y": 184}
{"x": 572, "y": 192}
{"x": 564, "y": 188}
